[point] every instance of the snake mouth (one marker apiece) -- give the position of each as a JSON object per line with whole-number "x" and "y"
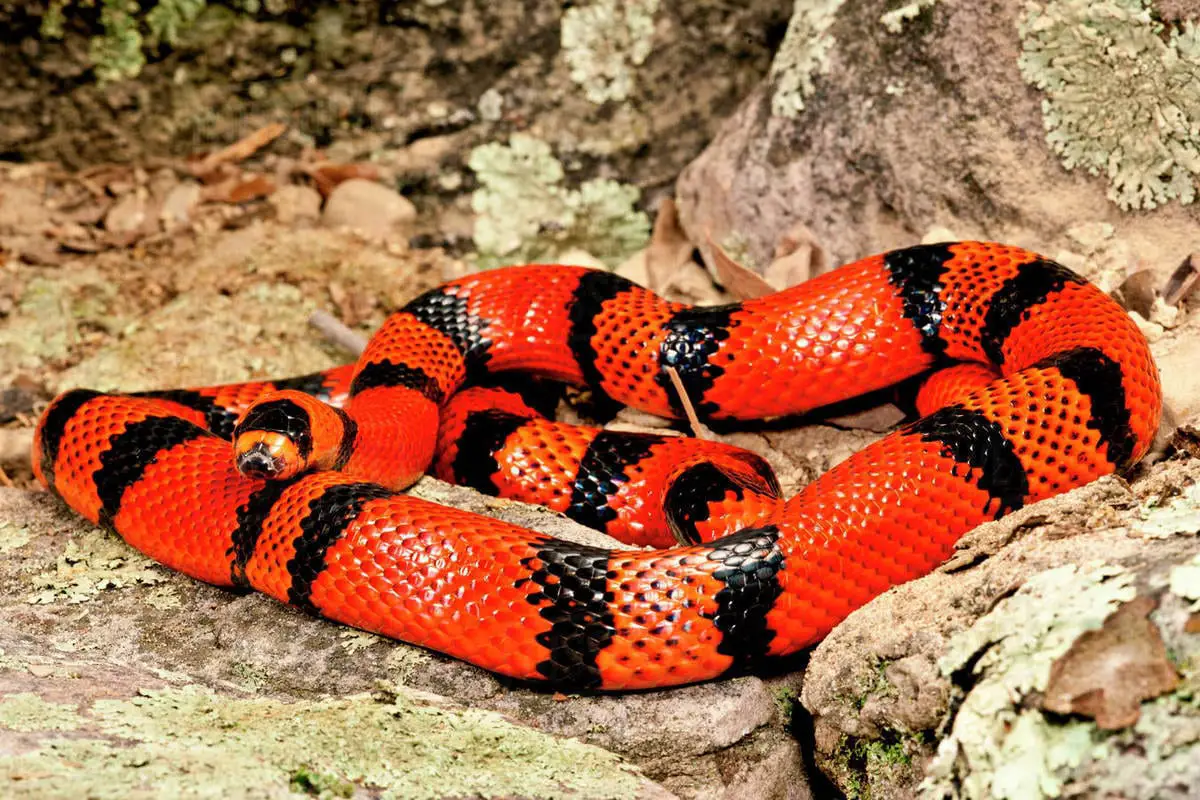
{"x": 259, "y": 462}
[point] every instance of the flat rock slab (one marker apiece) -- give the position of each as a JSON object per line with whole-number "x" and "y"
{"x": 103, "y": 645}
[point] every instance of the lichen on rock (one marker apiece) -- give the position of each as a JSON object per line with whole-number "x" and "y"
{"x": 193, "y": 742}
{"x": 802, "y": 55}
{"x": 603, "y": 41}
{"x": 894, "y": 20}
{"x": 1122, "y": 95}
{"x": 526, "y": 214}
{"x": 93, "y": 563}
{"x": 1000, "y": 744}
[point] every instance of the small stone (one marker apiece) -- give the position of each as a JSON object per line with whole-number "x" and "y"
{"x": 294, "y": 203}
{"x": 491, "y": 106}
{"x": 368, "y": 207}
{"x": 127, "y": 215}
{"x": 179, "y": 203}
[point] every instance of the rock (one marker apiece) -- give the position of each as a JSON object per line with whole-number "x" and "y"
{"x": 149, "y": 723}
{"x": 177, "y": 206}
{"x": 867, "y": 166}
{"x": 368, "y": 207}
{"x": 125, "y": 626}
{"x": 22, "y": 209}
{"x": 296, "y": 204}
{"x": 1176, "y": 351}
{"x": 959, "y": 655}
{"x": 129, "y": 214}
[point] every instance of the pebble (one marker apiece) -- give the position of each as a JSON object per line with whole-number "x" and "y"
{"x": 294, "y": 203}
{"x": 369, "y": 207}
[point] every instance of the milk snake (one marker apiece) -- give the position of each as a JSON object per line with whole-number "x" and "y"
{"x": 1059, "y": 389}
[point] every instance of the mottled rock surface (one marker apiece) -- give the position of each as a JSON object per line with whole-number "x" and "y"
{"x": 84, "y": 610}
{"x": 932, "y": 123}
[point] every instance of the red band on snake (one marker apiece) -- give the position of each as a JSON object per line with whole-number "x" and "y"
{"x": 1077, "y": 398}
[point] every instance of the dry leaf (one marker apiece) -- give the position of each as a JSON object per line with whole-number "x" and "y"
{"x": 798, "y": 257}
{"x": 1137, "y": 292}
{"x": 742, "y": 283}
{"x": 327, "y": 176}
{"x": 1183, "y": 280}
{"x": 239, "y": 189}
{"x": 1107, "y": 673}
{"x": 240, "y": 150}
{"x": 669, "y": 249}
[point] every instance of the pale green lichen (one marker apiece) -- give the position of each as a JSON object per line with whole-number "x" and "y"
{"x": 894, "y": 20}
{"x": 13, "y": 536}
{"x": 356, "y": 641}
{"x": 163, "y": 598}
{"x": 525, "y": 214}
{"x": 129, "y": 28}
{"x": 93, "y": 563}
{"x": 1158, "y": 758}
{"x": 1180, "y": 516}
{"x": 29, "y": 712}
{"x": 603, "y": 41}
{"x": 1013, "y": 751}
{"x": 45, "y": 325}
{"x": 1184, "y": 581}
{"x": 803, "y": 54}
{"x": 1122, "y": 95}
{"x": 191, "y": 742}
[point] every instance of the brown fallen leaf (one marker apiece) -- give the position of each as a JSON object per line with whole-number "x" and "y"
{"x": 326, "y": 176}
{"x": 669, "y": 248}
{"x": 798, "y": 257}
{"x": 1183, "y": 280}
{"x": 1107, "y": 673}
{"x": 742, "y": 283}
{"x": 240, "y": 150}
{"x": 1137, "y": 292}
{"x": 239, "y": 189}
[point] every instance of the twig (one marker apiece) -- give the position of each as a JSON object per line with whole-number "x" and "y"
{"x": 699, "y": 429}
{"x": 241, "y": 149}
{"x": 337, "y": 332}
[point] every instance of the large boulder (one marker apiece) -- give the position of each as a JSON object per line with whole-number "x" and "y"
{"x": 1057, "y": 125}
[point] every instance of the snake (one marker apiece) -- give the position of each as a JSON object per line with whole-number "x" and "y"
{"x": 1038, "y": 383}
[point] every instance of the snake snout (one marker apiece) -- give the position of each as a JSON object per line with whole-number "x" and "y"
{"x": 259, "y": 462}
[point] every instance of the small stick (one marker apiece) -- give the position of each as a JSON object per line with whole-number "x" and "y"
{"x": 337, "y": 332}
{"x": 699, "y": 430}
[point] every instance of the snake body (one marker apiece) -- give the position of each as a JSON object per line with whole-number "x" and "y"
{"x": 1067, "y": 392}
